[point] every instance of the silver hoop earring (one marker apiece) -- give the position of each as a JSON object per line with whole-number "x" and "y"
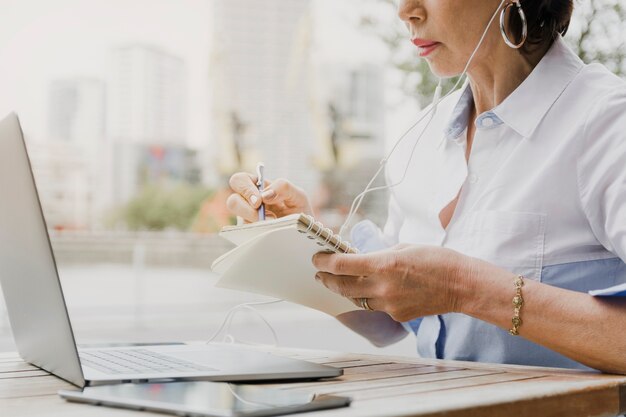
{"x": 522, "y": 17}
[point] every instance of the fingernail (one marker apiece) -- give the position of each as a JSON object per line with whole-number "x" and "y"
{"x": 268, "y": 194}
{"x": 254, "y": 199}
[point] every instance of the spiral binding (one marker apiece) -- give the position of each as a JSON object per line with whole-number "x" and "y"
{"x": 320, "y": 229}
{"x": 338, "y": 244}
{"x": 308, "y": 229}
{"x": 329, "y": 236}
{"x": 315, "y": 230}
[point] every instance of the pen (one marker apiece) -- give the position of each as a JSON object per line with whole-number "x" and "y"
{"x": 259, "y": 184}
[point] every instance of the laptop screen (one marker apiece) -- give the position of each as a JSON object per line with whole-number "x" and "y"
{"x": 28, "y": 275}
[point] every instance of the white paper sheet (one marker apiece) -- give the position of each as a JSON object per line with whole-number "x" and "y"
{"x": 242, "y": 234}
{"x": 279, "y": 264}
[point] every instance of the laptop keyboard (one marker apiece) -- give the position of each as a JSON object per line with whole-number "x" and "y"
{"x": 137, "y": 361}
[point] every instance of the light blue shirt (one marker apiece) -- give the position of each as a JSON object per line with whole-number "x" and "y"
{"x": 542, "y": 195}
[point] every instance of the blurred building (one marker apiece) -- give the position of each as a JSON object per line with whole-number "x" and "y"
{"x": 76, "y": 110}
{"x": 146, "y": 96}
{"x": 136, "y": 165}
{"x": 65, "y": 181}
{"x": 67, "y": 165}
{"x": 260, "y": 63}
{"x": 146, "y": 122}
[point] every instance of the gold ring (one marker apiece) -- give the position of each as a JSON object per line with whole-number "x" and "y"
{"x": 365, "y": 305}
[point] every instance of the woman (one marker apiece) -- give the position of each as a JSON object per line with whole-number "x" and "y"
{"x": 517, "y": 191}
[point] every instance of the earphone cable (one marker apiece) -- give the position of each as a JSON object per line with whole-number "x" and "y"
{"x": 432, "y": 111}
{"x": 227, "y": 321}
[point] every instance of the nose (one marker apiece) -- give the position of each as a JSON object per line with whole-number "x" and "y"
{"x": 411, "y": 11}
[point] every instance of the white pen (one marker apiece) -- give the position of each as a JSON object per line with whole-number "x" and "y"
{"x": 260, "y": 168}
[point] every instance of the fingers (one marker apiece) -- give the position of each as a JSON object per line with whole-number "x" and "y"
{"x": 281, "y": 190}
{"x": 345, "y": 285}
{"x": 345, "y": 264}
{"x": 282, "y": 186}
{"x": 280, "y": 196}
{"x": 244, "y": 184}
{"x": 269, "y": 195}
{"x": 238, "y": 205}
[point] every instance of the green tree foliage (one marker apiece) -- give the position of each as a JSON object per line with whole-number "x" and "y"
{"x": 159, "y": 207}
{"x": 597, "y": 34}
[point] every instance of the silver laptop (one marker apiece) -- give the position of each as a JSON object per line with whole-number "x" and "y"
{"x": 40, "y": 322}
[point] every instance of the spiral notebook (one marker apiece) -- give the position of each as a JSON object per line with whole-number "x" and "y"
{"x": 273, "y": 258}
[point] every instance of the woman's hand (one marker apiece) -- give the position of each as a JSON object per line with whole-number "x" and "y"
{"x": 280, "y": 197}
{"x": 406, "y": 281}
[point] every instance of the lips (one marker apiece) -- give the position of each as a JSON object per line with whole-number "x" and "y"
{"x": 422, "y": 43}
{"x": 425, "y": 46}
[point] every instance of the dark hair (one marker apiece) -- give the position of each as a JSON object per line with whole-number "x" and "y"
{"x": 546, "y": 19}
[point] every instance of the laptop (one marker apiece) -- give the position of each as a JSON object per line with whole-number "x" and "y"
{"x": 40, "y": 322}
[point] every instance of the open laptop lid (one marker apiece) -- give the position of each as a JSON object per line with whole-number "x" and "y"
{"x": 28, "y": 273}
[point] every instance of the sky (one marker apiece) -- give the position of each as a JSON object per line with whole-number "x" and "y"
{"x": 41, "y": 40}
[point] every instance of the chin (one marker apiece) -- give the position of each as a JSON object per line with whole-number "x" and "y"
{"x": 442, "y": 70}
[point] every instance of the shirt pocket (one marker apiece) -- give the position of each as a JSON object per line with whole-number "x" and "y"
{"x": 511, "y": 240}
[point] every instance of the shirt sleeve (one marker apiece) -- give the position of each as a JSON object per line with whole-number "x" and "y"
{"x": 367, "y": 237}
{"x": 601, "y": 171}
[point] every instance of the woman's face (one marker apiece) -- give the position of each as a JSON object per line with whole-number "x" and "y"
{"x": 446, "y": 32}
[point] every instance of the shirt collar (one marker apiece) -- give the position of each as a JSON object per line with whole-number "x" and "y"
{"x": 461, "y": 112}
{"x": 527, "y": 105}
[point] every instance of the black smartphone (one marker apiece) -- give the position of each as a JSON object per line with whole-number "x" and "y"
{"x": 205, "y": 399}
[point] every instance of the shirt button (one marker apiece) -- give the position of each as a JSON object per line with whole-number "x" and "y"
{"x": 487, "y": 122}
{"x": 473, "y": 178}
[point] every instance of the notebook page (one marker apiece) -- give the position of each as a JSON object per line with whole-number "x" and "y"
{"x": 222, "y": 263}
{"x": 278, "y": 264}
{"x": 243, "y": 233}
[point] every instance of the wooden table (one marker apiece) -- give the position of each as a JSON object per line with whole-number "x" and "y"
{"x": 379, "y": 386}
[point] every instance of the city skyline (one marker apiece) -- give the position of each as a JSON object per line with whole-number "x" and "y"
{"x": 132, "y": 99}
{"x": 45, "y": 41}
{"x": 110, "y": 138}
{"x": 71, "y": 38}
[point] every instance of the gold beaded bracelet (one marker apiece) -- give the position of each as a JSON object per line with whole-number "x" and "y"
{"x": 518, "y": 302}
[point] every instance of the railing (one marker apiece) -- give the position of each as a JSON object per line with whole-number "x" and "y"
{"x": 149, "y": 248}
